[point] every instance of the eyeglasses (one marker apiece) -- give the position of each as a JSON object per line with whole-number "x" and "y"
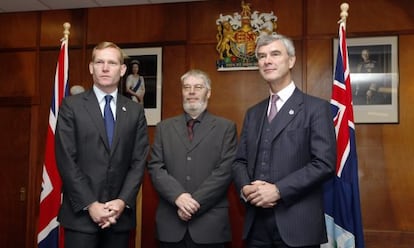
{"x": 197, "y": 87}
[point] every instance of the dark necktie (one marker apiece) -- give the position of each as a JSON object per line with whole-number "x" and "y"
{"x": 109, "y": 119}
{"x": 190, "y": 125}
{"x": 273, "y": 108}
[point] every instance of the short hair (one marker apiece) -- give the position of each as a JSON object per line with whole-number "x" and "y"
{"x": 198, "y": 74}
{"x": 108, "y": 44}
{"x": 264, "y": 40}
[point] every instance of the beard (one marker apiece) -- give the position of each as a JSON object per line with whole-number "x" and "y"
{"x": 195, "y": 109}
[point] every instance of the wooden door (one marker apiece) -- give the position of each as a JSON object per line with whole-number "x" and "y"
{"x": 14, "y": 163}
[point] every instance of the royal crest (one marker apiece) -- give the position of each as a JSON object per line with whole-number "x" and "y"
{"x": 237, "y": 35}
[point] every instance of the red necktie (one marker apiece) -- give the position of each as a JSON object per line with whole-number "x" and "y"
{"x": 190, "y": 125}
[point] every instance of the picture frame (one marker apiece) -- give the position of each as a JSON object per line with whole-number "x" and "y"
{"x": 150, "y": 68}
{"x": 374, "y": 74}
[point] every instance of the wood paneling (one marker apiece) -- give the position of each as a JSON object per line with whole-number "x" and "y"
{"x": 319, "y": 68}
{"x": 52, "y": 27}
{"x": 375, "y": 239}
{"x": 375, "y": 17}
{"x": 18, "y": 74}
{"x": 187, "y": 34}
{"x": 137, "y": 24}
{"x": 174, "y": 66}
{"x": 18, "y": 30}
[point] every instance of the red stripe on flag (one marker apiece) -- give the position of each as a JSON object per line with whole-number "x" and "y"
{"x": 61, "y": 74}
{"x": 51, "y": 181}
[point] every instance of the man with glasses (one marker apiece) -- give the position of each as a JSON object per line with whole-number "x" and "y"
{"x": 190, "y": 168}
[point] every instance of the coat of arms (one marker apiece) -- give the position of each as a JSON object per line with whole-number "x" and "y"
{"x": 237, "y": 35}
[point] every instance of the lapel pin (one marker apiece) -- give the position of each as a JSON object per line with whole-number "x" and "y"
{"x": 124, "y": 109}
{"x": 291, "y": 112}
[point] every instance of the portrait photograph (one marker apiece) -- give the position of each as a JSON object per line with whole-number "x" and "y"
{"x": 142, "y": 80}
{"x": 374, "y": 78}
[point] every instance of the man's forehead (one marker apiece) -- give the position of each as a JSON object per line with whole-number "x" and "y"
{"x": 275, "y": 46}
{"x": 193, "y": 80}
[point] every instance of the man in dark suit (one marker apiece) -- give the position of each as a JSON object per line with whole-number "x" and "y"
{"x": 191, "y": 170}
{"x": 287, "y": 150}
{"x": 101, "y": 163}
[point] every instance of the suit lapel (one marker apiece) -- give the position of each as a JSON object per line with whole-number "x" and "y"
{"x": 121, "y": 115}
{"x": 180, "y": 127}
{"x": 206, "y": 125}
{"x": 92, "y": 106}
{"x": 288, "y": 112}
{"x": 203, "y": 130}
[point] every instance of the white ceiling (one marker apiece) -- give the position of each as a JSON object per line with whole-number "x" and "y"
{"x": 35, "y": 5}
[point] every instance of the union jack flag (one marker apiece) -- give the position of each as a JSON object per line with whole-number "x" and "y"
{"x": 342, "y": 203}
{"x": 49, "y": 233}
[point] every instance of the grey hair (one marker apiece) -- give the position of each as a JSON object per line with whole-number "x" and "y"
{"x": 264, "y": 40}
{"x": 198, "y": 74}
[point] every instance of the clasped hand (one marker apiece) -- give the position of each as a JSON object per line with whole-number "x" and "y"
{"x": 261, "y": 194}
{"x": 187, "y": 206}
{"x": 106, "y": 214}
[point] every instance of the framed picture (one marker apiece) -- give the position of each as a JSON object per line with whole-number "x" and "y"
{"x": 142, "y": 81}
{"x": 373, "y": 64}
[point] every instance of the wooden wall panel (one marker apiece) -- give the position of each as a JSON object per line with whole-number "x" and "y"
{"x": 398, "y": 143}
{"x": 187, "y": 33}
{"x": 51, "y": 30}
{"x": 174, "y": 66}
{"x": 319, "y": 68}
{"x": 375, "y": 17}
{"x": 374, "y": 189}
{"x": 389, "y": 239}
{"x": 18, "y": 30}
{"x": 18, "y": 74}
{"x": 137, "y": 24}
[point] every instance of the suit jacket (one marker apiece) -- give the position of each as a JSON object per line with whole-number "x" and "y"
{"x": 90, "y": 170}
{"x": 303, "y": 156}
{"x": 202, "y": 168}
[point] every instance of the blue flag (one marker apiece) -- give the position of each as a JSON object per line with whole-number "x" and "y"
{"x": 341, "y": 193}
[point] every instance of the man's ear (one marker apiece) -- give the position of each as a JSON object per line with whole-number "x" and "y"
{"x": 292, "y": 60}
{"x": 91, "y": 68}
{"x": 123, "y": 69}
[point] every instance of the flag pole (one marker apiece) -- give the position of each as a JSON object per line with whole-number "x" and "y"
{"x": 344, "y": 13}
{"x": 66, "y": 32}
{"x": 341, "y": 193}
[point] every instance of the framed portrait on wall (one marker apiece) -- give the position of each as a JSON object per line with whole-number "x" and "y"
{"x": 373, "y": 64}
{"x": 142, "y": 82}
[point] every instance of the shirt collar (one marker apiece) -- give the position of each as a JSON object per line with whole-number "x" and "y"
{"x": 286, "y": 92}
{"x": 199, "y": 118}
{"x": 100, "y": 95}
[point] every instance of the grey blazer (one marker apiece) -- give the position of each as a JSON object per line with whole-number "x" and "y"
{"x": 89, "y": 169}
{"x": 303, "y": 156}
{"x": 202, "y": 168}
